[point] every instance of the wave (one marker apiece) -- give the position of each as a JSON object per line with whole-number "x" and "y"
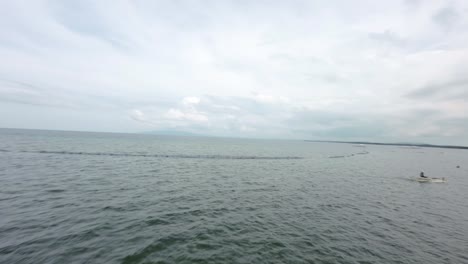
{"x": 362, "y": 153}
{"x": 336, "y": 157}
{"x": 350, "y": 155}
{"x": 173, "y": 156}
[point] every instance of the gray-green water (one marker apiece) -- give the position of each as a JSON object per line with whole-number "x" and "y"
{"x": 68, "y": 197}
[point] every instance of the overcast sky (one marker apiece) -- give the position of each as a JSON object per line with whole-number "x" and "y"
{"x": 347, "y": 70}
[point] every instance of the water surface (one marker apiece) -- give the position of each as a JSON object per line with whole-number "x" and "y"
{"x": 73, "y": 197}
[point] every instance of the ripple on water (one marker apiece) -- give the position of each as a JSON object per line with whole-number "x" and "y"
{"x": 109, "y": 200}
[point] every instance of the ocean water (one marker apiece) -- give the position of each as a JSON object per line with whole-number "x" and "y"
{"x": 70, "y": 197}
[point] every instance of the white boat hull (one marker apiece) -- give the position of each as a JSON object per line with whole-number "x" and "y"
{"x": 435, "y": 180}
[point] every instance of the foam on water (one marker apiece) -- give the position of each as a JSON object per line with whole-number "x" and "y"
{"x": 174, "y": 156}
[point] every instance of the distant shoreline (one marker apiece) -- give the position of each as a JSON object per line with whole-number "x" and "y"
{"x": 391, "y": 144}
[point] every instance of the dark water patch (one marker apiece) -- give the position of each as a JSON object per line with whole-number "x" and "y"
{"x": 153, "y": 222}
{"x": 337, "y": 157}
{"x": 362, "y": 153}
{"x": 55, "y": 190}
{"x": 205, "y": 246}
{"x": 334, "y": 205}
{"x": 4, "y": 230}
{"x": 441, "y": 217}
{"x": 184, "y": 214}
{"x": 77, "y": 237}
{"x": 172, "y": 156}
{"x": 10, "y": 198}
{"x": 114, "y": 208}
{"x": 156, "y": 247}
{"x": 349, "y": 155}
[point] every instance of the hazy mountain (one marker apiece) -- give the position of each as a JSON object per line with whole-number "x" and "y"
{"x": 174, "y": 133}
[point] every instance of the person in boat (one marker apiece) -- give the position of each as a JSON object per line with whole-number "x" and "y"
{"x": 422, "y": 175}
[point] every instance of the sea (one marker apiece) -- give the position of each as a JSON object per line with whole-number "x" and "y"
{"x": 79, "y": 197}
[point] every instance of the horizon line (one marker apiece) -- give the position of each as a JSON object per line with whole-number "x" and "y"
{"x": 421, "y": 145}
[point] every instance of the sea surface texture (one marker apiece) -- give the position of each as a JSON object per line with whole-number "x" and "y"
{"x": 69, "y": 197}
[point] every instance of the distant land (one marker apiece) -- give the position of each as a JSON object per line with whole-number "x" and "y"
{"x": 174, "y": 133}
{"x": 393, "y": 144}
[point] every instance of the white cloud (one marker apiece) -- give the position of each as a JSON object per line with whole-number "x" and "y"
{"x": 192, "y": 116}
{"x": 271, "y": 99}
{"x": 138, "y": 115}
{"x": 188, "y": 101}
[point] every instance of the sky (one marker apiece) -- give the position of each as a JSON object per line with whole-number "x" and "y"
{"x": 391, "y": 71}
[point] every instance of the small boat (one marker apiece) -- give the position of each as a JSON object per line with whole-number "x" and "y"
{"x": 438, "y": 180}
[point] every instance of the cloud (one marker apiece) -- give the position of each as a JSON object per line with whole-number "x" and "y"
{"x": 191, "y": 100}
{"x": 12, "y": 91}
{"x": 138, "y": 115}
{"x": 412, "y": 3}
{"x": 338, "y": 125}
{"x": 306, "y": 69}
{"x": 270, "y": 99}
{"x": 446, "y": 17}
{"x": 233, "y": 116}
{"x": 244, "y": 117}
{"x": 191, "y": 116}
{"x": 387, "y": 37}
{"x": 450, "y": 90}
{"x": 188, "y": 111}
